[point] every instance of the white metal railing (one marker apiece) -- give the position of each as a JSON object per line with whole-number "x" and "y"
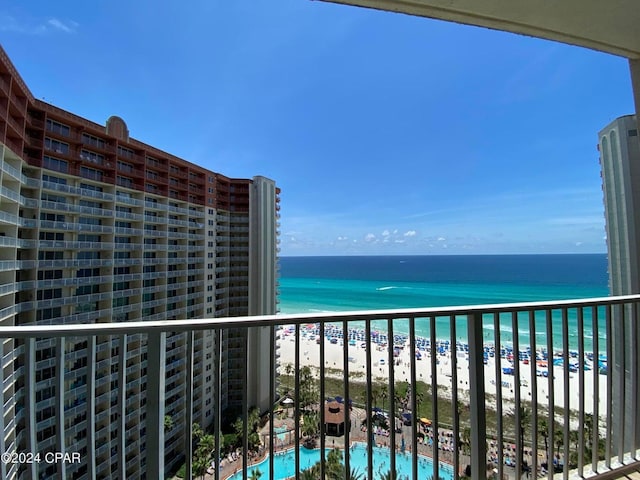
{"x": 488, "y": 395}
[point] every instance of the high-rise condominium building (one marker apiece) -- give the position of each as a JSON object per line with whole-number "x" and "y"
{"x": 620, "y": 163}
{"x": 620, "y": 166}
{"x": 96, "y": 226}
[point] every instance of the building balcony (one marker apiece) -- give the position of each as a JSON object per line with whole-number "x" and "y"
{"x": 559, "y": 399}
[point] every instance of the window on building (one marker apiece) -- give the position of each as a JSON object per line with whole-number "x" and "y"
{"x": 86, "y": 237}
{"x": 88, "y": 255}
{"x": 47, "y": 255}
{"x": 56, "y": 164}
{"x": 125, "y": 182}
{"x": 92, "y": 140}
{"x": 56, "y": 145}
{"x": 56, "y": 236}
{"x": 91, "y": 173}
{"x": 59, "y": 128}
{"x": 125, "y": 152}
{"x": 88, "y": 186}
{"x": 90, "y": 221}
{"x": 49, "y": 294}
{"x": 92, "y": 157}
{"x": 90, "y": 204}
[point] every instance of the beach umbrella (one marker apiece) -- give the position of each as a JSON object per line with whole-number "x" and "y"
{"x": 287, "y": 401}
{"x": 339, "y": 399}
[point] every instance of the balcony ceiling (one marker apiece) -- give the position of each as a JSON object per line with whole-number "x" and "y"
{"x": 611, "y": 26}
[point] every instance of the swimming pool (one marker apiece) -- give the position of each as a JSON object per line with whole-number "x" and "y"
{"x": 284, "y": 463}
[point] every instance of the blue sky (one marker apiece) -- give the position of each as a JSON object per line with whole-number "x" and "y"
{"x": 388, "y": 134}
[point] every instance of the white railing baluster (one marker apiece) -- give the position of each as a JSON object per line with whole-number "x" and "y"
{"x": 296, "y": 414}
{"x": 347, "y": 403}
{"x": 321, "y": 401}
{"x": 391, "y": 384}
{"x": 435, "y": 421}
{"x": 60, "y": 395}
{"x": 188, "y": 414}
{"x": 272, "y": 394}
{"x": 30, "y": 400}
{"x": 565, "y": 377}
{"x": 122, "y": 409}
{"x": 415, "y": 418}
{"x": 581, "y": 392}
{"x": 477, "y": 398}
{"x": 517, "y": 410}
{"x": 368, "y": 403}
{"x": 218, "y": 336}
{"x": 91, "y": 406}
{"x": 595, "y": 394}
{"x": 551, "y": 423}
{"x": 633, "y": 385}
{"x": 156, "y": 366}
{"x": 499, "y": 411}
{"x": 534, "y": 392}
{"x": 610, "y": 363}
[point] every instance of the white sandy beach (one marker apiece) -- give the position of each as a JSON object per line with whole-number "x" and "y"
{"x": 310, "y": 356}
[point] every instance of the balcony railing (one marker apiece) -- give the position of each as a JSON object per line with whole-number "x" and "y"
{"x": 557, "y": 399}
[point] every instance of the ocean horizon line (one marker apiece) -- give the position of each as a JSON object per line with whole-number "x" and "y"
{"x": 382, "y": 255}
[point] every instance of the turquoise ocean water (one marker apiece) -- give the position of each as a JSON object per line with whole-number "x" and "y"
{"x": 325, "y": 284}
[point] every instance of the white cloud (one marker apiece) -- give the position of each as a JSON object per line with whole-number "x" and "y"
{"x": 67, "y": 27}
{"x": 12, "y": 24}
{"x": 369, "y": 237}
{"x": 410, "y": 233}
{"x": 442, "y": 239}
{"x": 385, "y": 233}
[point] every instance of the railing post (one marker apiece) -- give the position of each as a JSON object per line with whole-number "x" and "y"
{"x": 30, "y": 402}
{"x": 60, "y": 403}
{"x": 122, "y": 406}
{"x": 91, "y": 406}
{"x": 188, "y": 413}
{"x": 477, "y": 398}
{"x": 156, "y": 353}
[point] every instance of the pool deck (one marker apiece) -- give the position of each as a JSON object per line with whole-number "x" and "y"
{"x": 228, "y": 468}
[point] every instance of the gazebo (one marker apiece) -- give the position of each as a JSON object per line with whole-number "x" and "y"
{"x": 334, "y": 419}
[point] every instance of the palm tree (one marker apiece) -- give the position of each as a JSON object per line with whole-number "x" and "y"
{"x": 543, "y": 431}
{"x": 354, "y": 475}
{"x": 419, "y": 400}
{"x": 558, "y": 437}
{"x": 334, "y": 469}
{"x": 588, "y": 425}
{"x": 310, "y": 427}
{"x": 383, "y": 396}
{"x": 525, "y": 421}
{"x": 311, "y": 473}
{"x": 255, "y": 475}
{"x": 375, "y": 394}
{"x": 288, "y": 370}
{"x": 465, "y": 440}
{"x": 388, "y": 475}
{"x": 574, "y": 439}
{"x": 307, "y": 394}
{"x": 202, "y": 453}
